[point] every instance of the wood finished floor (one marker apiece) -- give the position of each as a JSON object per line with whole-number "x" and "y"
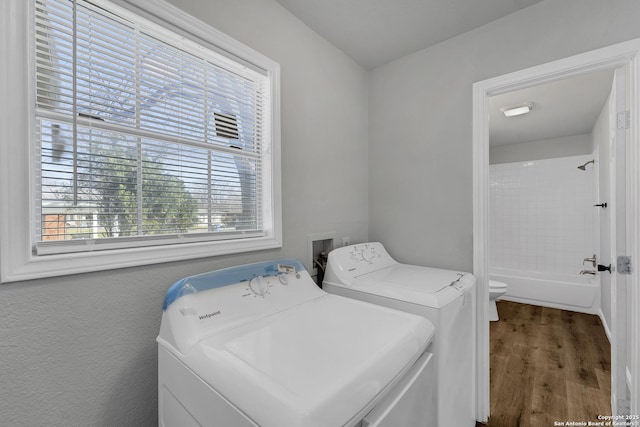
{"x": 547, "y": 365}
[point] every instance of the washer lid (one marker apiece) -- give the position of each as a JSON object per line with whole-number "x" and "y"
{"x": 317, "y": 364}
{"x": 432, "y": 287}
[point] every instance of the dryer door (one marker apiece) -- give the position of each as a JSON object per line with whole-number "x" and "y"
{"x": 412, "y": 402}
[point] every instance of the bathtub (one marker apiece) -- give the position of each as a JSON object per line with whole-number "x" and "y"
{"x": 567, "y": 292}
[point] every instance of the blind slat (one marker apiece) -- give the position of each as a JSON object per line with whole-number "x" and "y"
{"x": 170, "y": 141}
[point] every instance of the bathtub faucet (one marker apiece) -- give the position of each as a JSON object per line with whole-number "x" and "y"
{"x": 592, "y": 272}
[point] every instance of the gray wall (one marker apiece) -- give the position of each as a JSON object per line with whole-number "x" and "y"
{"x": 80, "y": 350}
{"x": 552, "y": 148}
{"x": 420, "y": 120}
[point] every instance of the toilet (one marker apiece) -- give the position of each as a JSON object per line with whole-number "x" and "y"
{"x": 496, "y": 290}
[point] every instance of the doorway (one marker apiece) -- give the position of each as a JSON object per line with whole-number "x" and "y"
{"x": 621, "y": 55}
{"x": 543, "y": 168}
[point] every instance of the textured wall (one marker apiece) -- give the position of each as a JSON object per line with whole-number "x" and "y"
{"x": 80, "y": 350}
{"x": 420, "y": 120}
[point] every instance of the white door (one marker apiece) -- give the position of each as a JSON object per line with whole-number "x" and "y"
{"x": 620, "y": 300}
{"x": 626, "y": 362}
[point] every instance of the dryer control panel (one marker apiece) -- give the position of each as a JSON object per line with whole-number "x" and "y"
{"x": 198, "y": 306}
{"x": 347, "y": 263}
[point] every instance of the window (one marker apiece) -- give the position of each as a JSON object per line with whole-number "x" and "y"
{"x": 147, "y": 142}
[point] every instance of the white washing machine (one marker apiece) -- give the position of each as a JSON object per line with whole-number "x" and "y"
{"x": 262, "y": 345}
{"x": 367, "y": 272}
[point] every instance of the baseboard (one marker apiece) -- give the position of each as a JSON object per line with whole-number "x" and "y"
{"x": 530, "y": 301}
{"x": 607, "y": 331}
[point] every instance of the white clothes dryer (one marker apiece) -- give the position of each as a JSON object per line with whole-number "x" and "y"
{"x": 367, "y": 272}
{"x": 262, "y": 345}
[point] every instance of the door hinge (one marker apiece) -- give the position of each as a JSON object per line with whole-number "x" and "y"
{"x": 623, "y": 264}
{"x": 624, "y": 119}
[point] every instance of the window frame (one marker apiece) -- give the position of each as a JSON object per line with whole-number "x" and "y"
{"x": 17, "y": 132}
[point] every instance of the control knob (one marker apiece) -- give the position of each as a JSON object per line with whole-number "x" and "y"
{"x": 258, "y": 286}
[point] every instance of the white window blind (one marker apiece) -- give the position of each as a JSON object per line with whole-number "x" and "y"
{"x": 143, "y": 137}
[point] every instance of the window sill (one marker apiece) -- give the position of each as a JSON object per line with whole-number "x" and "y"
{"x": 37, "y": 267}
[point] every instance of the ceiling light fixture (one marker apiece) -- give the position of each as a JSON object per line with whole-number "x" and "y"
{"x": 517, "y": 110}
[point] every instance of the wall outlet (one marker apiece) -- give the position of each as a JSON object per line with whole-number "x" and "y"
{"x": 346, "y": 241}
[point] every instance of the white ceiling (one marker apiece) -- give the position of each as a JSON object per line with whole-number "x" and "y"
{"x": 374, "y": 32}
{"x": 561, "y": 108}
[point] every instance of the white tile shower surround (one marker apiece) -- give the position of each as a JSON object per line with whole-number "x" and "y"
{"x": 541, "y": 215}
